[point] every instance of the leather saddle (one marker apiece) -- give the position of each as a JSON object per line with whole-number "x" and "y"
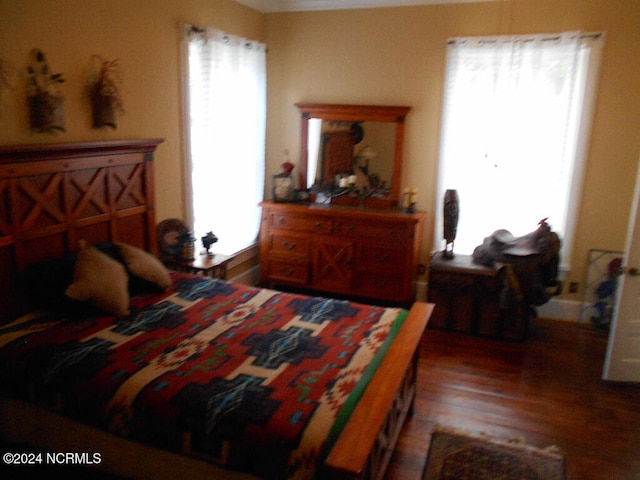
{"x": 530, "y": 262}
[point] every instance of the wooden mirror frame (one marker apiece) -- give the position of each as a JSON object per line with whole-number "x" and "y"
{"x": 356, "y": 113}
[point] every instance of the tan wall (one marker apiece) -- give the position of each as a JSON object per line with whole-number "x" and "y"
{"x": 376, "y": 56}
{"x": 144, "y": 35}
{"x": 396, "y": 57}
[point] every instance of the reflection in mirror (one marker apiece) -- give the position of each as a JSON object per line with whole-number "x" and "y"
{"x": 353, "y": 148}
{"x": 337, "y": 150}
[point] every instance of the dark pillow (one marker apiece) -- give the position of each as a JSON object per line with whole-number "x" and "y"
{"x": 45, "y": 282}
{"x": 109, "y": 249}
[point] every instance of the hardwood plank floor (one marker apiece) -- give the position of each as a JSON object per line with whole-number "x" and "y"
{"x": 546, "y": 391}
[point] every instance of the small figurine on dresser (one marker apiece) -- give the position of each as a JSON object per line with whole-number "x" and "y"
{"x": 283, "y": 185}
{"x": 208, "y": 240}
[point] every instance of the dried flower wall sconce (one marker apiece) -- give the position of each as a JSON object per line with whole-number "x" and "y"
{"x": 45, "y": 101}
{"x": 105, "y": 92}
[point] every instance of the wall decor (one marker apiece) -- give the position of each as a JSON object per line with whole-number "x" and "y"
{"x": 45, "y": 101}
{"x": 105, "y": 92}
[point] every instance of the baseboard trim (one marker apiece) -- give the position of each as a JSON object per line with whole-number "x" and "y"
{"x": 558, "y": 309}
{"x": 248, "y": 277}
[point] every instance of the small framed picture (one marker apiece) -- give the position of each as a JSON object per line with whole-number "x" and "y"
{"x": 283, "y": 190}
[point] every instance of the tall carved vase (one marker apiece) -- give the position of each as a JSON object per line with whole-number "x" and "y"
{"x": 450, "y": 215}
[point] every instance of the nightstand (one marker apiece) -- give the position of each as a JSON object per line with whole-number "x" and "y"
{"x": 214, "y": 267}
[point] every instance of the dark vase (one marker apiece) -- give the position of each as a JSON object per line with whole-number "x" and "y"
{"x": 451, "y": 213}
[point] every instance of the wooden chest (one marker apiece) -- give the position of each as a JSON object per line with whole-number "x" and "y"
{"x": 467, "y": 298}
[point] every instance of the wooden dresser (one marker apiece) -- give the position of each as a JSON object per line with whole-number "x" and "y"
{"x": 352, "y": 251}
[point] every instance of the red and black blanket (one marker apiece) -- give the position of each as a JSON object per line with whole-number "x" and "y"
{"x": 252, "y": 379}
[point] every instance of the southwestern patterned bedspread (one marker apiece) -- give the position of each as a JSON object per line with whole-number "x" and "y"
{"x": 252, "y": 379}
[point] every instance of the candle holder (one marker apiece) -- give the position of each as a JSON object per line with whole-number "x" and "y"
{"x": 409, "y": 200}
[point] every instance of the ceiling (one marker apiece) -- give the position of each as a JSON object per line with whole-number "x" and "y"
{"x": 267, "y": 6}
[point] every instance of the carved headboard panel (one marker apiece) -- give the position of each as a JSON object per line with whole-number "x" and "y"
{"x": 52, "y": 195}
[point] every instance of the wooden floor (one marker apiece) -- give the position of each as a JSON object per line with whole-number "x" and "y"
{"x": 547, "y": 391}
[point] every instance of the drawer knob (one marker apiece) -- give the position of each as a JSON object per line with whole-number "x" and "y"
{"x": 287, "y": 272}
{"x": 283, "y": 220}
{"x": 287, "y": 245}
{"x": 318, "y": 225}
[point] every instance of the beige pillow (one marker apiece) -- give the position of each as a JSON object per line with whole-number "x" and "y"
{"x": 144, "y": 265}
{"x": 100, "y": 281}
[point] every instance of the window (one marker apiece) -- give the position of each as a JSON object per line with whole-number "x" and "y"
{"x": 225, "y": 136}
{"x": 516, "y": 117}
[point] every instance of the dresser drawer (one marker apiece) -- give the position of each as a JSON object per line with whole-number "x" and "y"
{"x": 290, "y": 244}
{"x": 301, "y": 223}
{"x": 373, "y": 258}
{"x": 383, "y": 232}
{"x": 294, "y": 273}
{"x": 384, "y": 287}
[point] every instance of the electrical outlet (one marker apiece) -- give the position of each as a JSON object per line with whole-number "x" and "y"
{"x": 573, "y": 287}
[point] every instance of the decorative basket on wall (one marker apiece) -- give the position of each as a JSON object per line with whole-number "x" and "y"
{"x": 105, "y": 92}
{"x": 46, "y": 112}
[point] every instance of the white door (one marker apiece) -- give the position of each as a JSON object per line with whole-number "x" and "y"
{"x": 622, "y": 362}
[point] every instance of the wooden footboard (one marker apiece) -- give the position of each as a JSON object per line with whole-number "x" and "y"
{"x": 365, "y": 447}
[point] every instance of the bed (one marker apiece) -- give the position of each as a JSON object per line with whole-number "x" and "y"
{"x": 186, "y": 374}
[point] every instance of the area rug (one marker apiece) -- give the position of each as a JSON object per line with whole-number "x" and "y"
{"x": 456, "y": 455}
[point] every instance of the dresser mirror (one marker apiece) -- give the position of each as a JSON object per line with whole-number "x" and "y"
{"x": 353, "y": 151}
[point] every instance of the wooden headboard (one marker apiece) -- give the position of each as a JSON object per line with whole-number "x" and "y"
{"x": 52, "y": 195}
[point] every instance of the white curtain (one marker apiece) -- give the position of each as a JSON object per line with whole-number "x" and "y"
{"x": 516, "y": 118}
{"x": 226, "y": 115}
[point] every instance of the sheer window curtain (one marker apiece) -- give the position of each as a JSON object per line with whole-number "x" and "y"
{"x": 516, "y": 121}
{"x": 225, "y": 90}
